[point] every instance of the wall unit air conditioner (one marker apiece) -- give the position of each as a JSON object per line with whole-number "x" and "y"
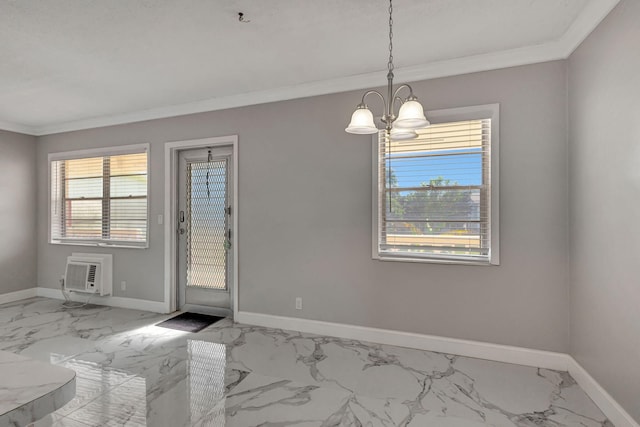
{"x": 89, "y": 273}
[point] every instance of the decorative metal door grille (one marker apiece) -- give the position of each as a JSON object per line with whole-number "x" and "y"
{"x": 206, "y": 224}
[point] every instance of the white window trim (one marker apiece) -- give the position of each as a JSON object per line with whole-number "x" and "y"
{"x": 98, "y": 152}
{"x": 488, "y": 111}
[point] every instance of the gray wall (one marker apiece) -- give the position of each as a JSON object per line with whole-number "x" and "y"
{"x": 17, "y": 212}
{"x": 605, "y": 204}
{"x": 305, "y": 215}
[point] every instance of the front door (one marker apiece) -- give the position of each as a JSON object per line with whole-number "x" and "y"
{"x": 204, "y": 230}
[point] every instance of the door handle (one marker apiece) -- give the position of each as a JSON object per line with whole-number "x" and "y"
{"x": 181, "y": 229}
{"x": 227, "y": 241}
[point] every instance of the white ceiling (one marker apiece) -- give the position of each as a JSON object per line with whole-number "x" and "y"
{"x": 73, "y": 64}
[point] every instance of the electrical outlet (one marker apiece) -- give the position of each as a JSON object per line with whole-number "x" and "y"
{"x": 298, "y": 303}
{"x": 123, "y": 285}
{"x": 160, "y": 219}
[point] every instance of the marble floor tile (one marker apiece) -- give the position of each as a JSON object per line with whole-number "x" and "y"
{"x": 275, "y": 401}
{"x": 132, "y": 373}
{"x": 124, "y": 405}
{"x": 55, "y": 421}
{"x": 92, "y": 381}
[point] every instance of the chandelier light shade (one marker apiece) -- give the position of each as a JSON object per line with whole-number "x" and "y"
{"x": 362, "y": 122}
{"x": 410, "y": 115}
{"x": 402, "y": 134}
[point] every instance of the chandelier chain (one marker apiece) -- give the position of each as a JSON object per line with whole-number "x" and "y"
{"x": 390, "y": 64}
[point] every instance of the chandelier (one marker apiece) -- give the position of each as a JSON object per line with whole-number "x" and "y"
{"x": 410, "y": 115}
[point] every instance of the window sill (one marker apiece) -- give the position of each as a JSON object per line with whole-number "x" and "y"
{"x": 100, "y": 245}
{"x": 483, "y": 263}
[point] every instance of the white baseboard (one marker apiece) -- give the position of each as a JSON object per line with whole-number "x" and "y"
{"x": 496, "y": 352}
{"x": 481, "y": 350}
{"x": 132, "y": 303}
{"x": 18, "y": 295}
{"x": 607, "y": 404}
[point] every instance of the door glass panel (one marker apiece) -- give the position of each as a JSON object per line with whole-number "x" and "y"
{"x": 206, "y": 224}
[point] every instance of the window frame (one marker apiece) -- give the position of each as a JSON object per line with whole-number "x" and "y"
{"x": 98, "y": 152}
{"x": 477, "y": 112}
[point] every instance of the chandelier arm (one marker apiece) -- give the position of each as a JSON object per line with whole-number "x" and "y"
{"x": 395, "y": 94}
{"x": 384, "y": 101}
{"x": 369, "y": 92}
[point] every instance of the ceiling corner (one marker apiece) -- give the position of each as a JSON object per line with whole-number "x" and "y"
{"x": 17, "y": 128}
{"x": 587, "y": 21}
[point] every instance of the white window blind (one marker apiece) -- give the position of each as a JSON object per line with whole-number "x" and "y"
{"x": 434, "y": 193}
{"x": 100, "y": 199}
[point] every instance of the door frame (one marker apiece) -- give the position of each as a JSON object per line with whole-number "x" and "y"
{"x": 171, "y": 150}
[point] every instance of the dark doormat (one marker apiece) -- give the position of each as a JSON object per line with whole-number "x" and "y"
{"x": 189, "y": 322}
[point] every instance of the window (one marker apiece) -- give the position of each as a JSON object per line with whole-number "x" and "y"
{"x": 100, "y": 197}
{"x": 436, "y": 197}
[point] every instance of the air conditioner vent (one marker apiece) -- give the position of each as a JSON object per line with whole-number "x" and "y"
{"x": 75, "y": 278}
{"x": 91, "y": 278}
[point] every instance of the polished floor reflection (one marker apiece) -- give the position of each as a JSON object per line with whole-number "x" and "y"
{"x": 131, "y": 373}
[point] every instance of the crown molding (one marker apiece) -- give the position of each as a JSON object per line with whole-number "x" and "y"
{"x": 17, "y": 128}
{"x": 471, "y": 64}
{"x": 562, "y": 48}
